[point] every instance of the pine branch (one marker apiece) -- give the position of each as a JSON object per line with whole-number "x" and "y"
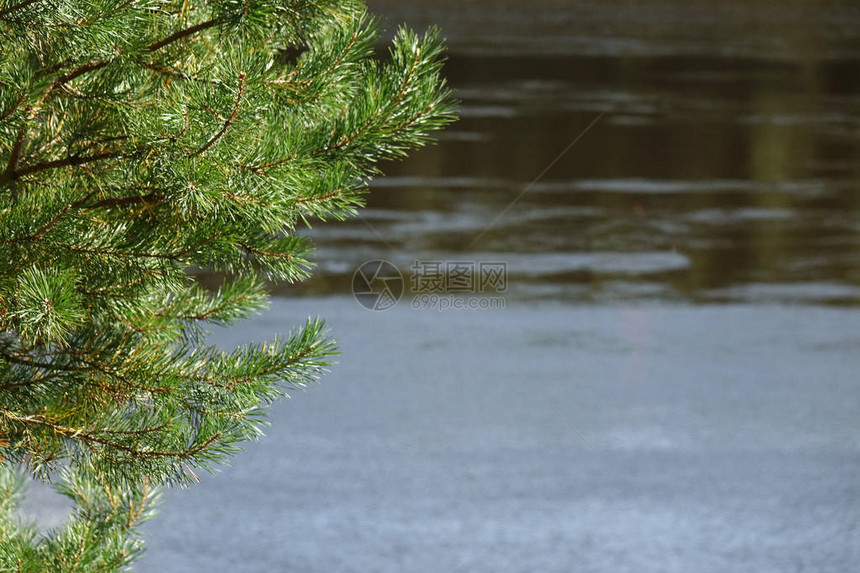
{"x": 155, "y": 46}
{"x": 89, "y": 438}
{"x": 317, "y": 198}
{"x": 53, "y": 221}
{"x": 72, "y": 161}
{"x": 261, "y": 169}
{"x": 229, "y": 121}
{"x": 9, "y": 175}
{"x": 174, "y": 74}
{"x": 143, "y": 159}
{"x": 75, "y": 73}
{"x": 14, "y": 7}
{"x": 154, "y": 197}
{"x": 173, "y": 256}
{"x": 14, "y": 107}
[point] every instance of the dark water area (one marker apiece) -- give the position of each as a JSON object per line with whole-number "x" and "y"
{"x": 700, "y": 152}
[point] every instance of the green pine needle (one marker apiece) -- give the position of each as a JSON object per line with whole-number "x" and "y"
{"x": 142, "y": 141}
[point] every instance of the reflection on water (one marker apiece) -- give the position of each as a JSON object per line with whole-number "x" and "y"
{"x": 725, "y": 166}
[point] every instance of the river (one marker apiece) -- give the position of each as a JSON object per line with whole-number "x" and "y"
{"x": 673, "y": 384}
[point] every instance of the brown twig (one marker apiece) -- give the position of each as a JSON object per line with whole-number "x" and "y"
{"x": 182, "y": 34}
{"x": 17, "y": 6}
{"x": 229, "y": 121}
{"x": 72, "y": 161}
{"x": 323, "y": 197}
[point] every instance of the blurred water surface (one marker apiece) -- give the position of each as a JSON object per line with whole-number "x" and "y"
{"x": 673, "y": 386}
{"x": 717, "y": 153}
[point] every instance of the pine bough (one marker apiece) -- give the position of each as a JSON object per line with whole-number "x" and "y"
{"x": 141, "y": 141}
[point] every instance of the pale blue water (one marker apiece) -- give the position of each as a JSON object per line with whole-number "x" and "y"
{"x": 727, "y": 439}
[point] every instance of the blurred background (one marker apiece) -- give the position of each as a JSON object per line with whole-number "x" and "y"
{"x": 673, "y": 383}
{"x": 716, "y": 156}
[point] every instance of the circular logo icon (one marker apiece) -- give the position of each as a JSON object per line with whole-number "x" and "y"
{"x": 377, "y": 285}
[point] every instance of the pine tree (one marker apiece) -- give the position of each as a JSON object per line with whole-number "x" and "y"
{"x": 142, "y": 141}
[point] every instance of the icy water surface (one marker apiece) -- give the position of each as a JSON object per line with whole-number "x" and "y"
{"x": 546, "y": 437}
{"x": 674, "y": 384}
